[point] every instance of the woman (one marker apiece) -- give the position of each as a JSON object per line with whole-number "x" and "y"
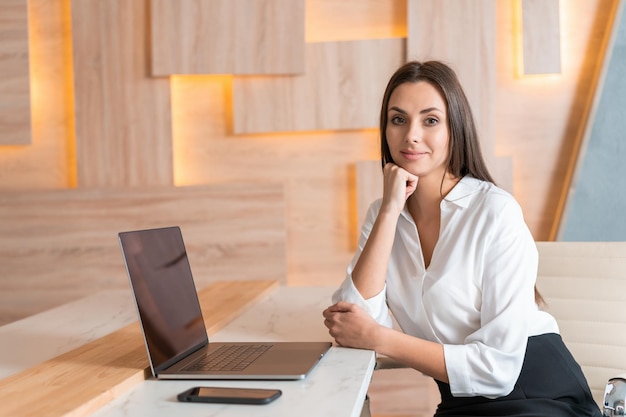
{"x": 449, "y": 254}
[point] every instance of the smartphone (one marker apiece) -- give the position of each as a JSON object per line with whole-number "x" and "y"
{"x": 229, "y": 395}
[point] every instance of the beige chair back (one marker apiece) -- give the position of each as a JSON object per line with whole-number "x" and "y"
{"x": 584, "y": 285}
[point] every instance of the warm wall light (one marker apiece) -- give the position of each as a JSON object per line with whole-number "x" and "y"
{"x": 201, "y": 106}
{"x": 541, "y": 37}
{"x": 52, "y": 82}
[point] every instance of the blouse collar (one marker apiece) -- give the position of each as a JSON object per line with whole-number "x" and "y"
{"x": 461, "y": 194}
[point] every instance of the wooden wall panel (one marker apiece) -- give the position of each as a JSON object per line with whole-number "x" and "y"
{"x": 369, "y": 187}
{"x": 123, "y": 117}
{"x": 342, "y": 89}
{"x": 350, "y": 20}
{"x": 215, "y": 37}
{"x": 14, "y": 74}
{"x": 58, "y": 245}
{"x": 541, "y": 36}
{"x": 48, "y": 162}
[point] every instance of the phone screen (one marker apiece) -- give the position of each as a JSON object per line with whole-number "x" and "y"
{"x": 230, "y": 395}
{"x": 235, "y": 392}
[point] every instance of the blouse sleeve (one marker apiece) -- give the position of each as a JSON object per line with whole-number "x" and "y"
{"x": 489, "y": 361}
{"x": 375, "y": 306}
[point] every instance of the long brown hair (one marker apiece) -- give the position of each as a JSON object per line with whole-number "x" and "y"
{"x": 464, "y": 146}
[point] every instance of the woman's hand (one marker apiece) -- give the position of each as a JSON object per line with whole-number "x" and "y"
{"x": 399, "y": 184}
{"x": 351, "y": 326}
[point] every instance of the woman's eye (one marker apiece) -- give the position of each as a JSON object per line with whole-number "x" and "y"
{"x": 397, "y": 120}
{"x": 431, "y": 121}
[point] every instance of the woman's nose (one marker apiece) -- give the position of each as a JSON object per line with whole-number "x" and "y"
{"x": 413, "y": 134}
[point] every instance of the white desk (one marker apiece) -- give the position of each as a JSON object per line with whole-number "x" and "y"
{"x": 336, "y": 387}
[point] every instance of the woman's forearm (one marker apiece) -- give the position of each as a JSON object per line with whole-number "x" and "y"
{"x": 370, "y": 271}
{"x": 423, "y": 355}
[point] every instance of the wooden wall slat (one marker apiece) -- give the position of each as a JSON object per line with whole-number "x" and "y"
{"x": 541, "y": 36}
{"x": 369, "y": 187}
{"x": 15, "y": 128}
{"x": 123, "y": 118}
{"x": 350, "y": 20}
{"x": 214, "y": 37}
{"x": 342, "y": 89}
{"x": 48, "y": 162}
{"x": 66, "y": 241}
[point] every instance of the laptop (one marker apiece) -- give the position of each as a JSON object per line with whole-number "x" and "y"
{"x": 173, "y": 327}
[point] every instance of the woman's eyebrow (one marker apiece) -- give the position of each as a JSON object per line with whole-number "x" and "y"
{"x": 398, "y": 109}
{"x": 427, "y": 110}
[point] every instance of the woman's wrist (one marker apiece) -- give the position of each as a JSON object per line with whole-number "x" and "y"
{"x": 390, "y": 212}
{"x": 379, "y": 340}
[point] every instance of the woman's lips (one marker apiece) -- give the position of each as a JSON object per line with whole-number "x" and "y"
{"x": 413, "y": 155}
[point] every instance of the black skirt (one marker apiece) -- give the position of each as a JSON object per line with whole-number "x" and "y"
{"x": 551, "y": 384}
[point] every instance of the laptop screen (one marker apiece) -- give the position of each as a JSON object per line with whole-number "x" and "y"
{"x": 166, "y": 297}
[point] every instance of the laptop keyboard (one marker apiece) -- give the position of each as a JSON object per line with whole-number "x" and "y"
{"x": 229, "y": 358}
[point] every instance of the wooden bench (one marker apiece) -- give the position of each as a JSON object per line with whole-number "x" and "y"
{"x": 60, "y": 245}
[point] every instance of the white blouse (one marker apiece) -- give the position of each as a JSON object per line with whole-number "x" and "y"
{"x": 477, "y": 295}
